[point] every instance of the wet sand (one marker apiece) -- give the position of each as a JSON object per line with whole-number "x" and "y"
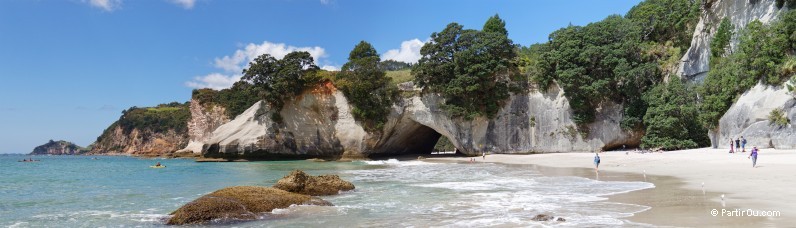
{"x": 677, "y": 199}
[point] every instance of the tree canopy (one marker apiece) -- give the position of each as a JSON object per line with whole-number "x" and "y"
{"x": 278, "y": 80}
{"x": 365, "y": 84}
{"x": 473, "y": 70}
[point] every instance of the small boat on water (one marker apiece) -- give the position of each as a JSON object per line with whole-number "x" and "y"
{"x": 28, "y": 160}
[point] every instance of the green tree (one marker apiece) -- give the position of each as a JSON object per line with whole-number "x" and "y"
{"x": 596, "y": 63}
{"x": 280, "y": 79}
{"x": 496, "y": 25}
{"x": 474, "y": 70}
{"x": 367, "y": 87}
{"x": 721, "y": 40}
{"x": 666, "y": 20}
{"x": 761, "y": 52}
{"x": 671, "y": 118}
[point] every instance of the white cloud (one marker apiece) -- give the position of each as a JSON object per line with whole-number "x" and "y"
{"x": 187, "y": 4}
{"x": 409, "y": 52}
{"x": 242, "y": 57}
{"x": 330, "y": 68}
{"x": 107, "y": 5}
{"x": 215, "y": 81}
{"x": 232, "y": 65}
{"x": 326, "y": 2}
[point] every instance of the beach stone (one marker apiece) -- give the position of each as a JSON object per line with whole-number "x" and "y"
{"x": 542, "y": 218}
{"x": 559, "y": 219}
{"x": 238, "y": 203}
{"x": 300, "y": 182}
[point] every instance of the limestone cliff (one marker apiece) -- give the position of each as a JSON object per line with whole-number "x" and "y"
{"x": 204, "y": 119}
{"x": 695, "y": 63}
{"x": 318, "y": 123}
{"x": 59, "y": 147}
{"x": 149, "y": 131}
{"x": 119, "y": 141}
{"x": 748, "y": 117}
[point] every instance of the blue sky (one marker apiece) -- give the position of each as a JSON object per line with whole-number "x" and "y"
{"x": 69, "y": 67}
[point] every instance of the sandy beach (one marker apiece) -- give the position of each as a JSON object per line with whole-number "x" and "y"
{"x": 678, "y": 199}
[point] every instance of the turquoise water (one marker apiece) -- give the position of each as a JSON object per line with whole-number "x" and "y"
{"x": 76, "y": 191}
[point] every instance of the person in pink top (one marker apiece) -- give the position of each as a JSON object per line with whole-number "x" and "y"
{"x": 731, "y": 145}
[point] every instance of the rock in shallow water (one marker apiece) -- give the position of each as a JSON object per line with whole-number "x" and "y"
{"x": 238, "y": 203}
{"x": 302, "y": 183}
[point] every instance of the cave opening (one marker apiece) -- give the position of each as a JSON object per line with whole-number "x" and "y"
{"x": 414, "y": 139}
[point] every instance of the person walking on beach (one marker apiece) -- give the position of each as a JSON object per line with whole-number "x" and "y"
{"x": 731, "y": 145}
{"x": 753, "y": 155}
{"x": 484, "y": 155}
{"x": 596, "y": 162}
{"x": 743, "y": 144}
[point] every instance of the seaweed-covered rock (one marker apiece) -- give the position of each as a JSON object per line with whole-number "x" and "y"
{"x": 238, "y": 203}
{"x": 299, "y": 182}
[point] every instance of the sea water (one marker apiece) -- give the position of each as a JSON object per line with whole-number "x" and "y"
{"x": 78, "y": 191}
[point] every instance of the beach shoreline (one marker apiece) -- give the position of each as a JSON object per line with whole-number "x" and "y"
{"x": 678, "y": 199}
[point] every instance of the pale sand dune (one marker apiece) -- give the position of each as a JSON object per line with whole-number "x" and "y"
{"x": 770, "y": 186}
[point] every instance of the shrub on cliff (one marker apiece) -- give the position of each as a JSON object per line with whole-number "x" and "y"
{"x": 473, "y": 70}
{"x": 366, "y": 86}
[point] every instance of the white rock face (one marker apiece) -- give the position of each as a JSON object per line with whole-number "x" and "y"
{"x": 695, "y": 62}
{"x": 204, "y": 120}
{"x": 748, "y": 117}
{"x": 318, "y": 123}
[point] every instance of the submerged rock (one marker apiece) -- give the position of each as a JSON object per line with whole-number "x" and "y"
{"x": 238, "y": 203}
{"x": 299, "y": 182}
{"x": 542, "y": 218}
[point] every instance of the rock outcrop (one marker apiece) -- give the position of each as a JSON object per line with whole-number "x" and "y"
{"x": 146, "y": 131}
{"x": 695, "y": 62}
{"x": 59, "y": 147}
{"x": 748, "y": 117}
{"x": 238, "y": 203}
{"x": 302, "y": 183}
{"x": 138, "y": 142}
{"x": 204, "y": 119}
{"x": 318, "y": 123}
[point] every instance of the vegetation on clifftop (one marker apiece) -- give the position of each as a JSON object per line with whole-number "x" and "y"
{"x": 367, "y": 87}
{"x": 474, "y": 70}
{"x": 621, "y": 60}
{"x": 159, "y": 119}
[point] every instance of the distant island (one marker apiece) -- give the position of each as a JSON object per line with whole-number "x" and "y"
{"x": 59, "y": 147}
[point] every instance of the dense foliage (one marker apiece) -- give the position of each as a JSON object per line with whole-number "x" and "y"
{"x": 624, "y": 60}
{"x": 235, "y": 100}
{"x": 666, "y": 20}
{"x": 392, "y": 65}
{"x": 764, "y": 54}
{"x": 721, "y": 41}
{"x": 600, "y": 62}
{"x": 671, "y": 119}
{"x": 366, "y": 86}
{"x": 473, "y": 70}
{"x": 281, "y": 79}
{"x": 161, "y": 118}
